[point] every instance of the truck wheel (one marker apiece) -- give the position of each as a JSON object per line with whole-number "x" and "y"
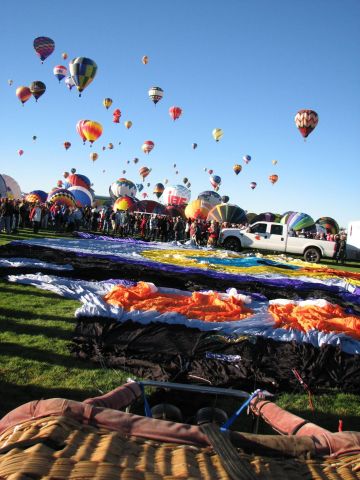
{"x": 312, "y": 255}
{"x": 232, "y": 243}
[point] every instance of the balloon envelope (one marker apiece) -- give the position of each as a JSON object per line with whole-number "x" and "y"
{"x": 122, "y": 187}
{"x": 176, "y": 195}
{"x": 298, "y": 221}
{"x": 61, "y": 196}
{"x": 23, "y": 94}
{"x": 227, "y": 212}
{"x": 217, "y": 133}
{"x": 210, "y": 196}
{"x": 266, "y": 217}
{"x": 82, "y": 71}
{"x": 44, "y": 46}
{"x": 198, "y": 209}
{"x": 330, "y": 225}
{"x": 125, "y": 203}
{"x": 306, "y": 121}
{"x": 12, "y": 188}
{"x": 83, "y": 197}
{"x": 150, "y": 206}
{"x": 36, "y": 196}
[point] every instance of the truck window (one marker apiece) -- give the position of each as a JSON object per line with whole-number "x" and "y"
{"x": 276, "y": 230}
{"x": 258, "y": 228}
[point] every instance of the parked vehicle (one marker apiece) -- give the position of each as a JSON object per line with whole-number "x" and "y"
{"x": 275, "y": 237}
{"x": 353, "y": 241}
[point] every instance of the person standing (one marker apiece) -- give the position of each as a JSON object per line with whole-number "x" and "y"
{"x": 342, "y": 250}
{"x": 35, "y": 217}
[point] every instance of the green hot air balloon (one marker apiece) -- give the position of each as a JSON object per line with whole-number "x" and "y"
{"x": 82, "y": 71}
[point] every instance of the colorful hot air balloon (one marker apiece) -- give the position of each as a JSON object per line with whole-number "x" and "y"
{"x": 306, "y": 121}
{"x": 266, "y": 217}
{"x": 107, "y": 102}
{"x": 64, "y": 56}
{"x": 175, "y": 112}
{"x": 329, "y": 224}
{"x": 62, "y": 196}
{"x": 156, "y": 94}
{"x": 82, "y": 71}
{"x": 21, "y": 152}
{"x": 273, "y": 178}
{"x": 37, "y": 89}
{"x": 176, "y": 195}
{"x": 215, "y": 181}
{"x": 128, "y": 124}
{"x": 144, "y": 195}
{"x": 210, "y": 197}
{"x": 94, "y": 156}
{"x": 298, "y": 221}
{"x": 144, "y": 172}
{"x": 150, "y": 206}
{"x": 145, "y": 59}
{"x": 125, "y": 203}
{"x": 69, "y": 82}
{"x": 116, "y": 115}
{"x": 67, "y": 145}
{"x": 197, "y": 209}
{"x": 194, "y": 146}
{"x": 274, "y": 162}
{"x": 247, "y": 159}
{"x": 227, "y": 212}
{"x": 158, "y": 189}
{"x": 217, "y": 133}
{"x": 110, "y": 146}
{"x": 23, "y": 94}
{"x": 36, "y": 196}
{"x": 122, "y": 187}
{"x": 92, "y": 130}
{"x": 225, "y": 198}
{"x": 44, "y": 46}
{"x": 79, "y": 127}
{"x": 253, "y": 185}
{"x": 237, "y": 168}
{"x": 147, "y": 146}
{"x": 77, "y": 180}
{"x": 83, "y": 196}
{"x": 60, "y": 72}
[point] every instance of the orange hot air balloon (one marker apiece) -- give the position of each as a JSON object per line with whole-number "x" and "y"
{"x": 23, "y": 94}
{"x": 144, "y": 172}
{"x": 92, "y": 130}
{"x": 67, "y": 145}
{"x": 145, "y": 59}
{"x": 79, "y": 127}
{"x": 273, "y": 178}
{"x": 64, "y": 55}
{"x": 94, "y": 156}
{"x": 128, "y": 124}
{"x": 175, "y": 112}
{"x": 237, "y": 168}
{"x": 147, "y": 146}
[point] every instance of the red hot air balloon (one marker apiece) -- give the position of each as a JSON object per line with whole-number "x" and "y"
{"x": 147, "y": 146}
{"x": 175, "y": 112}
{"x": 67, "y": 145}
{"x": 116, "y": 115}
{"x": 23, "y": 94}
{"x": 306, "y": 121}
{"x": 79, "y": 127}
{"x": 273, "y": 178}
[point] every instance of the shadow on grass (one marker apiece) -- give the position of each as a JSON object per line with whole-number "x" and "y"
{"x": 12, "y": 314}
{"x": 14, "y": 395}
{"x": 8, "y": 325}
{"x": 36, "y": 293}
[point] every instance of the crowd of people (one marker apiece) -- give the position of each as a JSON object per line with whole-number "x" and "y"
{"x": 15, "y": 214}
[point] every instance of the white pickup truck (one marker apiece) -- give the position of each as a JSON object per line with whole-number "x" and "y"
{"x": 275, "y": 237}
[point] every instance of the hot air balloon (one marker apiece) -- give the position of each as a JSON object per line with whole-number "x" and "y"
{"x": 210, "y": 197}
{"x": 64, "y": 56}
{"x": 94, "y": 156}
{"x": 61, "y": 196}
{"x": 79, "y": 127}
{"x": 69, "y": 82}
{"x": 144, "y": 172}
{"x": 158, "y": 189}
{"x": 36, "y": 196}
{"x": 10, "y": 82}
{"x": 128, "y": 124}
{"x": 145, "y": 59}
{"x": 150, "y": 206}
{"x": 11, "y": 186}
{"x": 175, "y": 112}
{"x": 266, "y": 217}
{"x": 237, "y": 168}
{"x": 60, "y": 72}
{"x": 67, "y": 145}
{"x": 273, "y": 178}
{"x": 156, "y": 94}
{"x": 185, "y": 180}
{"x": 139, "y": 187}
{"x": 210, "y": 172}
{"x": 197, "y": 209}
{"x": 253, "y": 185}
{"x": 37, "y": 89}
{"x": 173, "y": 211}
{"x": 329, "y": 224}
{"x": 91, "y": 130}
{"x": 125, "y": 203}
{"x": 147, "y": 146}
{"x": 77, "y": 180}
{"x": 227, "y": 212}
{"x": 122, "y": 187}
{"x": 166, "y": 181}
{"x": 217, "y": 133}
{"x": 194, "y": 146}
{"x": 82, "y": 196}
{"x": 174, "y": 165}
{"x": 82, "y": 71}
{"x": 144, "y": 195}
{"x": 274, "y": 162}
{"x": 34, "y": 138}
{"x": 116, "y": 115}
{"x": 44, "y": 46}
{"x": 298, "y": 221}
{"x": 110, "y": 146}
{"x": 148, "y": 184}
{"x": 215, "y": 181}
{"x": 107, "y": 102}
{"x": 135, "y": 160}
{"x": 188, "y": 185}
{"x": 225, "y": 199}
{"x": 176, "y": 172}
{"x": 306, "y": 121}
{"x": 20, "y": 152}
{"x": 176, "y": 195}
{"x": 247, "y": 159}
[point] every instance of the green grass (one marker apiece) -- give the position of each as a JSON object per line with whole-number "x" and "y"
{"x": 36, "y": 328}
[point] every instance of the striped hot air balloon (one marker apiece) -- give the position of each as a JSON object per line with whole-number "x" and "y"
{"x": 156, "y": 94}
{"x": 23, "y": 94}
{"x": 82, "y": 71}
{"x": 306, "y": 121}
{"x": 92, "y": 130}
{"x": 43, "y": 46}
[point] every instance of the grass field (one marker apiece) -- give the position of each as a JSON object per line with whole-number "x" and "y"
{"x": 36, "y": 328}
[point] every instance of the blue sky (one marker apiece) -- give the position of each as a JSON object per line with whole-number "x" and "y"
{"x": 243, "y": 66}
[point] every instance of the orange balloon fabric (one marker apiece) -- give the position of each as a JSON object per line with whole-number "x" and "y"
{"x": 207, "y": 307}
{"x": 327, "y": 318}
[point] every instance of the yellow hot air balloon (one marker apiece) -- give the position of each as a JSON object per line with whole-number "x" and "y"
{"x": 145, "y": 59}
{"x": 128, "y": 124}
{"x": 91, "y": 130}
{"x": 217, "y": 133}
{"x": 107, "y": 102}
